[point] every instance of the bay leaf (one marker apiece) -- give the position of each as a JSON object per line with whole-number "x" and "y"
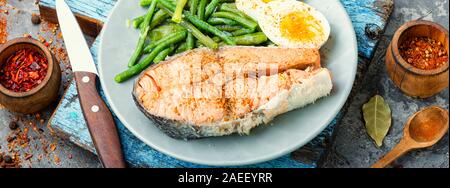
{"x": 378, "y": 118}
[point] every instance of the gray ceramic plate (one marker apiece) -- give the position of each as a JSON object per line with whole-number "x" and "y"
{"x": 287, "y": 132}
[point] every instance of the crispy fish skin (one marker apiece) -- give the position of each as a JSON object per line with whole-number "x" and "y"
{"x": 233, "y": 104}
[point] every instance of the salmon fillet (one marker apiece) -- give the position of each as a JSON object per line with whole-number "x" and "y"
{"x": 204, "y": 93}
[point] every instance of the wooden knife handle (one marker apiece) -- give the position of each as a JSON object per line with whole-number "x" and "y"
{"x": 100, "y": 122}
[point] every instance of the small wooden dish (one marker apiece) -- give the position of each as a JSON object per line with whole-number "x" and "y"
{"x": 42, "y": 95}
{"x": 412, "y": 81}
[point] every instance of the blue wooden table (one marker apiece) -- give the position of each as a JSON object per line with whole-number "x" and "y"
{"x": 369, "y": 18}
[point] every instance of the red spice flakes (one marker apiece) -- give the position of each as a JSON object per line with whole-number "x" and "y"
{"x": 23, "y": 137}
{"x": 53, "y": 146}
{"x": 52, "y": 132}
{"x": 28, "y": 156}
{"x": 37, "y": 116}
{"x": 59, "y": 36}
{"x": 24, "y": 70}
{"x": 3, "y": 29}
{"x": 10, "y": 138}
{"x": 50, "y": 27}
{"x": 34, "y": 126}
{"x": 424, "y": 53}
{"x": 40, "y": 157}
{"x": 56, "y": 159}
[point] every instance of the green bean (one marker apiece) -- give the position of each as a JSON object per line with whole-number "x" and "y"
{"x": 228, "y": 6}
{"x": 211, "y": 7}
{"x": 201, "y": 9}
{"x": 153, "y": 45}
{"x": 231, "y": 7}
{"x": 243, "y": 31}
{"x": 164, "y": 30}
{"x": 179, "y": 11}
{"x": 251, "y": 39}
{"x": 145, "y": 3}
{"x": 204, "y": 39}
{"x": 214, "y": 39}
{"x": 182, "y": 48}
{"x": 269, "y": 43}
{"x": 193, "y": 6}
{"x": 158, "y": 18}
{"x": 228, "y": 28}
{"x": 221, "y": 21}
{"x": 246, "y": 40}
{"x": 136, "y": 69}
{"x": 201, "y": 24}
{"x": 163, "y": 54}
{"x": 243, "y": 21}
{"x": 144, "y": 33}
{"x": 190, "y": 41}
{"x": 137, "y": 21}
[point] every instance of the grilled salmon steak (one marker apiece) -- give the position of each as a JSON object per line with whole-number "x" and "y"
{"x": 205, "y": 93}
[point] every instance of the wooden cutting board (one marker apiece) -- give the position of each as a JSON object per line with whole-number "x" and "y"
{"x": 369, "y": 18}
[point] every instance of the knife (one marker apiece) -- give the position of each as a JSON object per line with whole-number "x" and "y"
{"x": 97, "y": 115}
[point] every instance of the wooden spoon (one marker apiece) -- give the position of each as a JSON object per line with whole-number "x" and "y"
{"x": 423, "y": 129}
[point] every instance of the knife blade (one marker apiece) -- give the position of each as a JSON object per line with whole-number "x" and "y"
{"x": 78, "y": 50}
{"x": 97, "y": 115}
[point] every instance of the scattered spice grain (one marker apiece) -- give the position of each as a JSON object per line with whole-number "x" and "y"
{"x": 11, "y": 138}
{"x": 28, "y": 156}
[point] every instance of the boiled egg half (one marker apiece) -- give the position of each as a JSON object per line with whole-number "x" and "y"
{"x": 294, "y": 24}
{"x": 252, "y": 8}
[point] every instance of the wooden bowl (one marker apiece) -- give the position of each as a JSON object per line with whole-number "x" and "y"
{"x": 413, "y": 81}
{"x": 42, "y": 95}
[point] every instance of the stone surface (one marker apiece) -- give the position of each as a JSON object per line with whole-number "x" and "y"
{"x": 352, "y": 146}
{"x": 68, "y": 120}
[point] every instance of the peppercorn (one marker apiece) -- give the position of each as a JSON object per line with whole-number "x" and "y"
{"x": 13, "y": 125}
{"x": 35, "y": 19}
{"x": 8, "y": 159}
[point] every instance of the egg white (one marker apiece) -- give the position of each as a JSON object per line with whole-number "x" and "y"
{"x": 254, "y": 8}
{"x": 274, "y": 11}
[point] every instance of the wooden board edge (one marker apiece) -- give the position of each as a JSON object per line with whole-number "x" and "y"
{"x": 50, "y": 120}
{"x": 62, "y": 134}
{"x": 89, "y": 26}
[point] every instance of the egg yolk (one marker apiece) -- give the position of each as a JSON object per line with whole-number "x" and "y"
{"x": 266, "y": 1}
{"x": 300, "y": 26}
